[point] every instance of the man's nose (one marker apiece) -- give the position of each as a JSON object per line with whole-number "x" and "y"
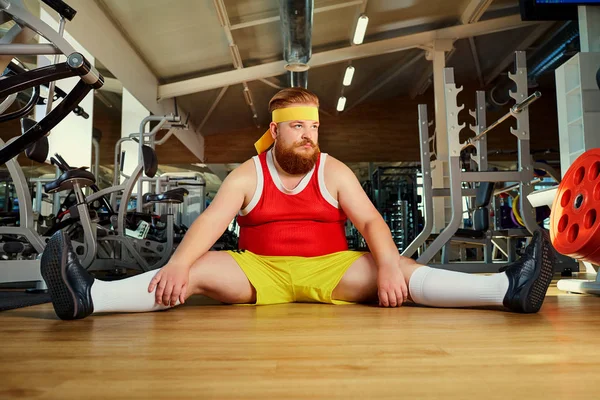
{"x": 306, "y": 134}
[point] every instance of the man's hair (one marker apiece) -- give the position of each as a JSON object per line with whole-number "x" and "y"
{"x": 290, "y": 96}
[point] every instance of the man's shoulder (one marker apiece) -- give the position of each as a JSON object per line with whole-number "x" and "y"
{"x": 334, "y": 165}
{"x": 245, "y": 170}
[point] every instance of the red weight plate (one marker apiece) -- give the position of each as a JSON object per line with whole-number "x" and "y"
{"x": 575, "y": 218}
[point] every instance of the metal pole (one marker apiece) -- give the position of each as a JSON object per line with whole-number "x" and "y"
{"x": 480, "y": 124}
{"x": 427, "y": 184}
{"x": 455, "y": 220}
{"x": 15, "y": 49}
{"x": 56, "y": 197}
{"x": 96, "y": 166}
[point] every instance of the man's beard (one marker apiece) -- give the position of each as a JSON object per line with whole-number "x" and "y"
{"x": 295, "y": 163}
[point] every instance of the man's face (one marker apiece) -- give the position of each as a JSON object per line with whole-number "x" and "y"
{"x": 296, "y": 144}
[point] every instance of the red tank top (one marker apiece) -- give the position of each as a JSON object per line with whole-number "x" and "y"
{"x": 305, "y": 222}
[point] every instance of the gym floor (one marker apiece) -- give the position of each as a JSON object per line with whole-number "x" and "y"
{"x": 305, "y": 351}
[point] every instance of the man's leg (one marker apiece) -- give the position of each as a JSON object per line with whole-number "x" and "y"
{"x": 75, "y": 293}
{"x": 436, "y": 287}
{"x": 216, "y": 275}
{"x": 359, "y": 283}
{"x": 521, "y": 287}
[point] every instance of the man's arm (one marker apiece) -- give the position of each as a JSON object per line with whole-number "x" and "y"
{"x": 171, "y": 281}
{"x": 392, "y": 290}
{"x": 210, "y": 225}
{"x": 363, "y": 214}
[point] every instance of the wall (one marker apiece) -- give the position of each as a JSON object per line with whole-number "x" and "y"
{"x": 386, "y": 131}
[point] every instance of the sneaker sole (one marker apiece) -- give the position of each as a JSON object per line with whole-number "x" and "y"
{"x": 53, "y": 268}
{"x": 539, "y": 287}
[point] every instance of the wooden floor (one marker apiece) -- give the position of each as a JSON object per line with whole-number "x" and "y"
{"x": 302, "y": 351}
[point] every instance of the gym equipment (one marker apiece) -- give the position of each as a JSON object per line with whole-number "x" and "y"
{"x": 146, "y": 142}
{"x": 422, "y": 237}
{"x": 20, "y": 264}
{"x": 76, "y": 65}
{"x": 193, "y": 204}
{"x": 523, "y": 177}
{"x": 29, "y": 104}
{"x": 16, "y": 68}
{"x": 123, "y": 243}
{"x": 27, "y": 244}
{"x": 393, "y": 191}
{"x": 514, "y": 110}
{"x": 575, "y": 222}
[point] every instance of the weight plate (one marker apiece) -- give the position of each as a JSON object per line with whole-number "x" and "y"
{"x": 575, "y": 218}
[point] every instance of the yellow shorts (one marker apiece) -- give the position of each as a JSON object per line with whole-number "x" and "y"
{"x": 280, "y": 279}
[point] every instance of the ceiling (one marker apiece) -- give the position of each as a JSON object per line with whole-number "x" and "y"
{"x": 180, "y": 40}
{"x": 184, "y": 39}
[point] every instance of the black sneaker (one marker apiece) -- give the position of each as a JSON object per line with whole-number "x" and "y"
{"x": 69, "y": 284}
{"x": 530, "y": 276}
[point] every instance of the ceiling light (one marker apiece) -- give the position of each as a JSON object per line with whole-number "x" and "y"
{"x": 348, "y": 75}
{"x": 341, "y": 103}
{"x": 361, "y": 29}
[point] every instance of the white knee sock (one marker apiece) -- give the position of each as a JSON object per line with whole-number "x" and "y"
{"x": 443, "y": 288}
{"x": 126, "y": 295}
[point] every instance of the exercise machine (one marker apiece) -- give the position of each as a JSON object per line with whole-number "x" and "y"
{"x": 75, "y": 65}
{"x": 522, "y": 178}
{"x": 25, "y": 265}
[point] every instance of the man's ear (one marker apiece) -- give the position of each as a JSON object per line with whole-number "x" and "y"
{"x": 274, "y": 130}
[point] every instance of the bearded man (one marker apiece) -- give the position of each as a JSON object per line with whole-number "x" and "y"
{"x": 291, "y": 202}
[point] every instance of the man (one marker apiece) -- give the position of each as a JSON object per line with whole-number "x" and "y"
{"x": 291, "y": 204}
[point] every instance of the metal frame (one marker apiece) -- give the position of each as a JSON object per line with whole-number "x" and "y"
{"x": 427, "y": 184}
{"x": 76, "y": 65}
{"x": 480, "y": 125}
{"x": 142, "y": 139}
{"x": 132, "y": 256}
{"x": 22, "y": 270}
{"x": 23, "y": 17}
{"x": 522, "y": 133}
{"x": 27, "y": 225}
{"x": 523, "y": 176}
{"x": 130, "y": 252}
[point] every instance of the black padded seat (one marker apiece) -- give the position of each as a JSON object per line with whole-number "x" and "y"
{"x": 8, "y": 220}
{"x": 150, "y": 161}
{"x": 66, "y": 180}
{"x": 9, "y": 217}
{"x": 38, "y": 151}
{"x": 174, "y": 196}
{"x": 469, "y": 234}
{"x": 481, "y": 223}
{"x": 481, "y": 216}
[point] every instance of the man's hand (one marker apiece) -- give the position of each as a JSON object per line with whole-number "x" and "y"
{"x": 391, "y": 286}
{"x": 171, "y": 283}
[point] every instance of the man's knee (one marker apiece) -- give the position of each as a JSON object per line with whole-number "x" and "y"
{"x": 202, "y": 273}
{"x": 217, "y": 275}
{"x": 359, "y": 283}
